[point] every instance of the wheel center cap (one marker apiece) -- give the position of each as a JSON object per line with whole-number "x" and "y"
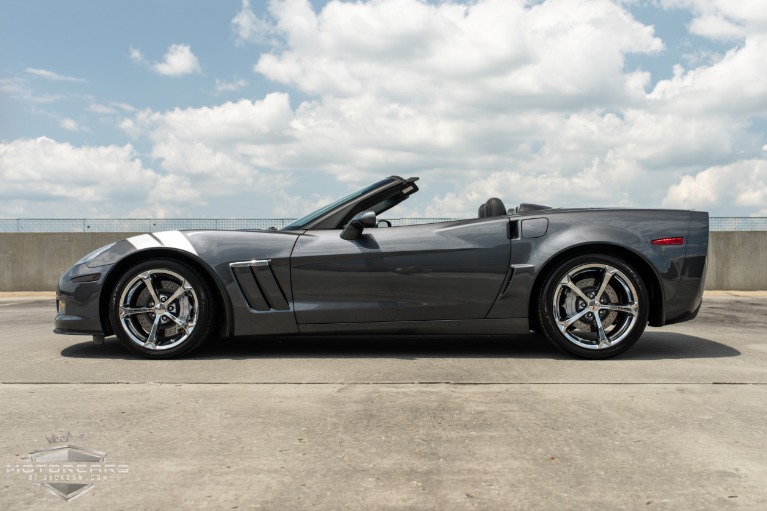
{"x": 594, "y": 306}
{"x": 160, "y": 307}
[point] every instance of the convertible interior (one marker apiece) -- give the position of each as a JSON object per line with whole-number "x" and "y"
{"x": 495, "y": 207}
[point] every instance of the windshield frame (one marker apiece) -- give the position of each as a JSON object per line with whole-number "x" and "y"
{"x": 305, "y": 220}
{"x": 332, "y": 215}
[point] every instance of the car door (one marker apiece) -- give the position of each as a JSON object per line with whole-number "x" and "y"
{"x": 451, "y": 270}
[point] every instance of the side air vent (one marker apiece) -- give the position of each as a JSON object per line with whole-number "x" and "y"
{"x": 258, "y": 285}
{"x": 506, "y": 282}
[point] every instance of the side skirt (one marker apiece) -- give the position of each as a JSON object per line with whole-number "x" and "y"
{"x": 513, "y": 326}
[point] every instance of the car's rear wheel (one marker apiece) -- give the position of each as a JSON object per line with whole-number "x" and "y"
{"x": 593, "y": 306}
{"x": 162, "y": 309}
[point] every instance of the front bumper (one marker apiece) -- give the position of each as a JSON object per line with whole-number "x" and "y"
{"x": 78, "y": 299}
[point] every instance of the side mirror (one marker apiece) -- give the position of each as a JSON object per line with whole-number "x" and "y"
{"x": 383, "y": 223}
{"x": 354, "y": 228}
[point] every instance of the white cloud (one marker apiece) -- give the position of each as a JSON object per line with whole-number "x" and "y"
{"x": 178, "y": 61}
{"x": 69, "y": 124}
{"x": 50, "y": 75}
{"x": 113, "y": 107}
{"x": 98, "y": 108}
{"x": 79, "y": 180}
{"x": 734, "y": 85}
{"x": 230, "y": 122}
{"x": 178, "y": 188}
{"x": 136, "y": 55}
{"x": 510, "y": 51}
{"x": 723, "y": 19}
{"x": 125, "y": 107}
{"x": 18, "y": 88}
{"x": 233, "y": 86}
{"x": 251, "y": 145}
{"x": 527, "y": 101}
{"x": 212, "y": 146}
{"x": 716, "y": 27}
{"x": 248, "y": 27}
{"x": 14, "y": 86}
{"x": 739, "y": 186}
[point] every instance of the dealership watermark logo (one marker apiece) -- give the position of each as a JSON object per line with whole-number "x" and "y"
{"x": 66, "y": 469}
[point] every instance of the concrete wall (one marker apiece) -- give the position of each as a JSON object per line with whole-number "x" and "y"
{"x": 35, "y": 261}
{"x": 737, "y": 261}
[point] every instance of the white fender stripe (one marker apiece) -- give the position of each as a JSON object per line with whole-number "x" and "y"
{"x": 172, "y": 239}
{"x": 175, "y": 239}
{"x": 143, "y": 241}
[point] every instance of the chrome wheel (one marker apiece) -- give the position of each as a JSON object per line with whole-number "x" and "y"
{"x": 158, "y": 309}
{"x": 163, "y": 308}
{"x": 594, "y": 306}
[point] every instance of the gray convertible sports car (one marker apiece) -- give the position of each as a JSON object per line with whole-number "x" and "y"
{"x": 590, "y": 280}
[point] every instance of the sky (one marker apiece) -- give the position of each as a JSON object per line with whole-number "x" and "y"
{"x": 270, "y": 109}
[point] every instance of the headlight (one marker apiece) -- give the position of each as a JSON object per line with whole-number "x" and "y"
{"x": 95, "y": 254}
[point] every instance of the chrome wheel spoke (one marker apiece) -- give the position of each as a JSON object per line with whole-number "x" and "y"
{"x": 631, "y": 308}
{"x": 564, "y": 325}
{"x": 146, "y": 277}
{"x": 186, "y": 326}
{"x": 130, "y": 311}
{"x": 604, "y": 341}
{"x": 568, "y": 283}
{"x": 185, "y": 287}
{"x": 151, "y": 340}
{"x": 609, "y": 272}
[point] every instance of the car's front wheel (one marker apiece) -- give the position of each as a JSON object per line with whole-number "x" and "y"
{"x": 162, "y": 309}
{"x": 593, "y": 306}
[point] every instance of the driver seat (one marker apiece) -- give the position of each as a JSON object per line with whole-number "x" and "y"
{"x": 493, "y": 207}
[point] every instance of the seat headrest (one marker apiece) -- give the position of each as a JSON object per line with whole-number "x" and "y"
{"x": 494, "y": 207}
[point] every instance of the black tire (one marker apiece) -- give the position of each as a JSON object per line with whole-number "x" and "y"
{"x": 571, "y": 320}
{"x": 183, "y": 320}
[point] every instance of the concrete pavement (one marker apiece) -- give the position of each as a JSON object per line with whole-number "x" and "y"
{"x": 678, "y": 422}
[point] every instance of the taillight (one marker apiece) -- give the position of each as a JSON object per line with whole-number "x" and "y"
{"x": 668, "y": 241}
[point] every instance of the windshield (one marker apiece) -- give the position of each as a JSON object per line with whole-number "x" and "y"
{"x": 298, "y": 224}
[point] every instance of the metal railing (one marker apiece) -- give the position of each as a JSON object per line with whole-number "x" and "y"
{"x": 173, "y": 224}
{"x": 738, "y": 223}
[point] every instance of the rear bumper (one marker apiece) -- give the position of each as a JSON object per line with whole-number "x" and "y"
{"x": 687, "y": 316}
{"x": 692, "y": 280}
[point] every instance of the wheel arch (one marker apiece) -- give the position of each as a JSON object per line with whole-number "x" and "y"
{"x": 643, "y": 267}
{"x": 174, "y": 255}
